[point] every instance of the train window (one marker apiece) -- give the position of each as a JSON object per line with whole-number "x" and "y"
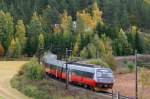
{"x": 83, "y": 73}
{"x": 53, "y": 67}
{"x": 104, "y": 73}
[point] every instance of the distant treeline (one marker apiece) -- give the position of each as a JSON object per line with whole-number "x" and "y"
{"x": 118, "y": 13}
{"x": 91, "y": 28}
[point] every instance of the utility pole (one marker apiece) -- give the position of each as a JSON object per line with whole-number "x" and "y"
{"x": 67, "y": 72}
{"x": 136, "y": 76}
{"x": 39, "y": 54}
{"x": 66, "y": 68}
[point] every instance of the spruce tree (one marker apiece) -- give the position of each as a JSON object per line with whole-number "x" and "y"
{"x": 84, "y": 53}
{"x": 41, "y": 41}
{"x": 121, "y": 45}
{"x": 21, "y": 34}
{"x": 97, "y": 14}
{"x": 34, "y": 29}
{"x": 6, "y": 29}
{"x": 66, "y": 24}
{"x": 12, "y": 48}
{"x": 18, "y": 49}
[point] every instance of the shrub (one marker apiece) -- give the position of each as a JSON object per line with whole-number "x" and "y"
{"x": 15, "y": 82}
{"x": 84, "y": 53}
{"x": 34, "y": 70}
{"x": 110, "y": 60}
{"x": 30, "y": 90}
{"x": 130, "y": 66}
{"x": 98, "y": 62}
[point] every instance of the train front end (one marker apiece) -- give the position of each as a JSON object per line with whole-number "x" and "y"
{"x": 104, "y": 79}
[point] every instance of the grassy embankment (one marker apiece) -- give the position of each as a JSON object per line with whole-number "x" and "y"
{"x": 32, "y": 82}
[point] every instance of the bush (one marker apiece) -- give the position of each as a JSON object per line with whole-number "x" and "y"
{"x": 15, "y": 82}
{"x": 30, "y": 90}
{"x": 131, "y": 66}
{"x": 34, "y": 70}
{"x": 84, "y": 53}
{"x": 33, "y": 91}
{"x": 98, "y": 62}
{"x": 110, "y": 60}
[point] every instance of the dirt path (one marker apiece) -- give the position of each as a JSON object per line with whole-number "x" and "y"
{"x": 7, "y": 70}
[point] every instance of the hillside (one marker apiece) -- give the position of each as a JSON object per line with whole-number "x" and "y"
{"x": 90, "y": 28}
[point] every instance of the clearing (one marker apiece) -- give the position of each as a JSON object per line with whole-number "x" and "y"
{"x": 7, "y": 70}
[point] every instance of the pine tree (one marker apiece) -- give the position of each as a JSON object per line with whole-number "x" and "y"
{"x": 34, "y": 29}
{"x": 85, "y": 22}
{"x": 124, "y": 19}
{"x": 92, "y": 50}
{"x": 6, "y": 29}
{"x": 12, "y": 48}
{"x": 21, "y": 34}
{"x": 97, "y": 14}
{"x": 18, "y": 49}
{"x": 66, "y": 24}
{"x": 2, "y": 21}
{"x": 50, "y": 16}
{"x": 9, "y": 30}
{"x": 139, "y": 42}
{"x": 107, "y": 43}
{"x": 98, "y": 43}
{"x": 121, "y": 45}
{"x": 41, "y": 41}
{"x": 136, "y": 39}
{"x": 77, "y": 45}
{"x": 84, "y": 53}
{"x": 147, "y": 43}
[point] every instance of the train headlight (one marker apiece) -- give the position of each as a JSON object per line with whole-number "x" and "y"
{"x": 105, "y": 86}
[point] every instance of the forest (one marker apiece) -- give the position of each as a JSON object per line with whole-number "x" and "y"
{"x": 91, "y": 28}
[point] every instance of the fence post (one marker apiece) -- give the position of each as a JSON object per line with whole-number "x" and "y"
{"x": 136, "y": 76}
{"x": 118, "y": 95}
{"x": 112, "y": 94}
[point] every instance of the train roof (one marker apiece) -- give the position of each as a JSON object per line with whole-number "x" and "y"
{"x": 85, "y": 65}
{"x": 56, "y": 63}
{"x": 81, "y": 68}
{"x": 76, "y": 66}
{"x": 50, "y": 58}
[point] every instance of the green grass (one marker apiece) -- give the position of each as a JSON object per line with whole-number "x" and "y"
{"x": 43, "y": 88}
{"x": 1, "y": 97}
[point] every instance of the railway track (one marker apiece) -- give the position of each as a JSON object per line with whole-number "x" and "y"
{"x": 101, "y": 95}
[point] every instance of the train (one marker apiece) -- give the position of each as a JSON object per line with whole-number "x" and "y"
{"x": 90, "y": 76}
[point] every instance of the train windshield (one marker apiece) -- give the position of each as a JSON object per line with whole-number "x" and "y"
{"x": 104, "y": 73}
